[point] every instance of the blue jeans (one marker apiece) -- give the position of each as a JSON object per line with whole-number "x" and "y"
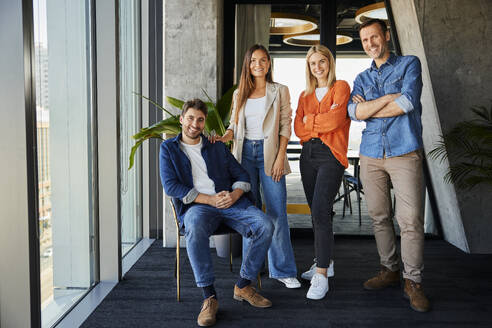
{"x": 201, "y": 220}
{"x": 281, "y": 262}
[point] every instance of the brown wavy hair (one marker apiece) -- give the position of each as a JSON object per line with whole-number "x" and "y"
{"x": 246, "y": 81}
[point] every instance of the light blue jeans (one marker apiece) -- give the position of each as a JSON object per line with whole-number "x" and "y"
{"x": 201, "y": 220}
{"x": 281, "y": 262}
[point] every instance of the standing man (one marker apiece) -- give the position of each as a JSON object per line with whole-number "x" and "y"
{"x": 208, "y": 187}
{"x": 387, "y": 97}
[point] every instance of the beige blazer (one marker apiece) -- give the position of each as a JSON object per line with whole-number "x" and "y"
{"x": 276, "y": 122}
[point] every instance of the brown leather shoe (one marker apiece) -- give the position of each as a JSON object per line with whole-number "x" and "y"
{"x": 249, "y": 294}
{"x": 415, "y": 293}
{"x": 209, "y": 311}
{"x": 385, "y": 278}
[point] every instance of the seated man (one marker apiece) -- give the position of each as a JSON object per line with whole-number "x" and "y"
{"x": 209, "y": 186}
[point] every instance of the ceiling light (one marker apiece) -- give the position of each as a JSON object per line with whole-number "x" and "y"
{"x": 289, "y": 23}
{"x": 312, "y": 38}
{"x": 343, "y": 39}
{"x": 375, "y": 10}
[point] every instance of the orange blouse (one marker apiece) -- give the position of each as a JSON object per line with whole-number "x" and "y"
{"x": 327, "y": 120}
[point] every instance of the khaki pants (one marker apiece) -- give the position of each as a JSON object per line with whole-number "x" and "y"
{"x": 405, "y": 173}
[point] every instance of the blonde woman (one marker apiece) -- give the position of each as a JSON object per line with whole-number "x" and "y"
{"x": 322, "y": 124}
{"x": 261, "y": 128}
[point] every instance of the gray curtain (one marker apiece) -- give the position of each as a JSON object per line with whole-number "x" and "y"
{"x": 252, "y": 26}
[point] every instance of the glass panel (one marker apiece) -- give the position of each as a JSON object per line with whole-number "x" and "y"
{"x": 347, "y": 69}
{"x": 291, "y": 71}
{"x": 64, "y": 110}
{"x": 130, "y": 123}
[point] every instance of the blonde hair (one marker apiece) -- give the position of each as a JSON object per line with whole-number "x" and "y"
{"x": 311, "y": 81}
{"x": 247, "y": 82}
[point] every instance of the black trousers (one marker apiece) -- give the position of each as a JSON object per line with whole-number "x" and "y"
{"x": 321, "y": 175}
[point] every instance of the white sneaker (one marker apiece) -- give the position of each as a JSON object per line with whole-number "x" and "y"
{"x": 308, "y": 275}
{"x": 290, "y": 282}
{"x": 319, "y": 287}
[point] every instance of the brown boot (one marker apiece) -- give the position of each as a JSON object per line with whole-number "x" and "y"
{"x": 385, "y": 278}
{"x": 209, "y": 310}
{"x": 415, "y": 293}
{"x": 249, "y": 294}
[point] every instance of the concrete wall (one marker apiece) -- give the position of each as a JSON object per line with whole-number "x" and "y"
{"x": 192, "y": 57}
{"x": 454, "y": 43}
{"x": 191, "y": 29}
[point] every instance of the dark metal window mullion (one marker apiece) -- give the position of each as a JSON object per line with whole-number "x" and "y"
{"x": 32, "y": 162}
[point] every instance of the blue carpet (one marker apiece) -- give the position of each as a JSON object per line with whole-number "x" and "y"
{"x": 459, "y": 286}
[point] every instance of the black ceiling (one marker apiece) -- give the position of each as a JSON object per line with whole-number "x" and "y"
{"x": 346, "y": 24}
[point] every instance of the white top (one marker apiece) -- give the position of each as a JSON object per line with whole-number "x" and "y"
{"x": 254, "y": 112}
{"x": 321, "y": 92}
{"x": 201, "y": 181}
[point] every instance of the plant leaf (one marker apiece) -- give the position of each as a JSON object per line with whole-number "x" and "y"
{"x": 169, "y": 125}
{"x": 175, "y": 102}
{"x": 469, "y": 147}
{"x": 138, "y": 143}
{"x": 224, "y": 105}
{"x": 133, "y": 151}
{"x": 208, "y": 97}
{"x": 154, "y": 103}
{"x": 214, "y": 122}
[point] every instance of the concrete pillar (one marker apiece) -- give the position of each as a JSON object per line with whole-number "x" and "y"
{"x": 452, "y": 38}
{"x": 192, "y": 57}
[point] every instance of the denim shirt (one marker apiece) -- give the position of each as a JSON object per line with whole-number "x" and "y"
{"x": 391, "y": 136}
{"x": 177, "y": 178}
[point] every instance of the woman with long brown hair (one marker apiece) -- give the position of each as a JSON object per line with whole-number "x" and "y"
{"x": 261, "y": 128}
{"x": 323, "y": 125}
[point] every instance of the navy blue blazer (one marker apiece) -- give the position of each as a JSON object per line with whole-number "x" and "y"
{"x": 177, "y": 179}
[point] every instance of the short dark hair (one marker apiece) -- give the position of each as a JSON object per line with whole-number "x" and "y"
{"x": 196, "y": 104}
{"x": 373, "y": 21}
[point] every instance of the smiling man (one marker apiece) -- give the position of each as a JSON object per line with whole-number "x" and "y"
{"x": 387, "y": 97}
{"x": 207, "y": 185}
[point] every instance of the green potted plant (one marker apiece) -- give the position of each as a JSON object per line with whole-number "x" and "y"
{"x": 469, "y": 143}
{"x": 217, "y": 120}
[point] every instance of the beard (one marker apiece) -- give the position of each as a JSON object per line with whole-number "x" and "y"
{"x": 381, "y": 53}
{"x": 192, "y": 135}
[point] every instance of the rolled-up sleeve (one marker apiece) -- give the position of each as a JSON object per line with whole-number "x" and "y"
{"x": 411, "y": 89}
{"x": 190, "y": 196}
{"x": 245, "y": 186}
{"x": 352, "y": 107}
{"x": 405, "y": 104}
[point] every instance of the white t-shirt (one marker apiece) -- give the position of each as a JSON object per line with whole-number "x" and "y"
{"x": 201, "y": 181}
{"x": 321, "y": 92}
{"x": 254, "y": 111}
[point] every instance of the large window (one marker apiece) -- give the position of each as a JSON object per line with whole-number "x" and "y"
{"x": 64, "y": 112}
{"x": 291, "y": 71}
{"x": 130, "y": 122}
